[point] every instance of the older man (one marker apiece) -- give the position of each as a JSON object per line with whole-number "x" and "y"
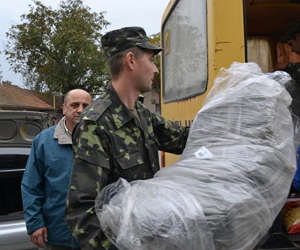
{"x": 46, "y": 178}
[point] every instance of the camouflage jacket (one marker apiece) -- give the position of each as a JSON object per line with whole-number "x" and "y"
{"x": 111, "y": 142}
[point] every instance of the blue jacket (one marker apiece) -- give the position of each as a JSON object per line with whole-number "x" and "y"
{"x": 45, "y": 185}
{"x": 296, "y": 182}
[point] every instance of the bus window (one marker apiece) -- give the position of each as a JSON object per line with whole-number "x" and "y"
{"x": 184, "y": 40}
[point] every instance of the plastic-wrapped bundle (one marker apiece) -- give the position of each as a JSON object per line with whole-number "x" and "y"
{"x": 230, "y": 183}
{"x": 294, "y": 90}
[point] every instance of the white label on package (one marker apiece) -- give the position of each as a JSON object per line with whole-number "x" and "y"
{"x": 203, "y": 153}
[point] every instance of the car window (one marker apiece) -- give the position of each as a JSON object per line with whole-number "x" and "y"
{"x": 11, "y": 172}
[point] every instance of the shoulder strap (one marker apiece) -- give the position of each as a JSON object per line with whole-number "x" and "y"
{"x": 96, "y": 110}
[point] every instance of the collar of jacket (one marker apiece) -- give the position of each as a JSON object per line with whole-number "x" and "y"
{"x": 120, "y": 113}
{"x": 61, "y": 134}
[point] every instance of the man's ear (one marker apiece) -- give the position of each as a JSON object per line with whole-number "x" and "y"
{"x": 63, "y": 108}
{"x": 130, "y": 60}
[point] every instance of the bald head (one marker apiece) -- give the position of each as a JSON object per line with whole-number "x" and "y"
{"x": 75, "y": 102}
{"x": 76, "y": 92}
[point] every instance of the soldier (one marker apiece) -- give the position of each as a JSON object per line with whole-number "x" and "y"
{"x": 117, "y": 135}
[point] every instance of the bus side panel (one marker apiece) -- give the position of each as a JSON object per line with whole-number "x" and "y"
{"x": 225, "y": 36}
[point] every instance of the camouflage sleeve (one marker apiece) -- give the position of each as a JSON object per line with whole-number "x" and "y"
{"x": 294, "y": 70}
{"x": 90, "y": 173}
{"x": 172, "y": 137}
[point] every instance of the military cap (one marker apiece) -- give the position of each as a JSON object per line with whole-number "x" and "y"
{"x": 293, "y": 29}
{"x": 119, "y": 40}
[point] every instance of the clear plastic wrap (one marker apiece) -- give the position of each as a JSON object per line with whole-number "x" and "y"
{"x": 294, "y": 90}
{"x": 230, "y": 183}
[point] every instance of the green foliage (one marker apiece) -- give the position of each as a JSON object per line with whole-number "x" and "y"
{"x": 7, "y": 82}
{"x": 58, "y": 50}
{"x": 0, "y": 71}
{"x": 155, "y": 39}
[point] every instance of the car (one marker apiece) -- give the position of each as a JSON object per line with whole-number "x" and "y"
{"x": 17, "y": 130}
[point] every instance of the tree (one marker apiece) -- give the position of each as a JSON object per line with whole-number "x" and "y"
{"x": 155, "y": 39}
{"x": 7, "y": 82}
{"x": 58, "y": 50}
{"x": 0, "y": 72}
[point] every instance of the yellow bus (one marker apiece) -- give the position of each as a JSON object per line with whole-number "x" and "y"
{"x": 202, "y": 36}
